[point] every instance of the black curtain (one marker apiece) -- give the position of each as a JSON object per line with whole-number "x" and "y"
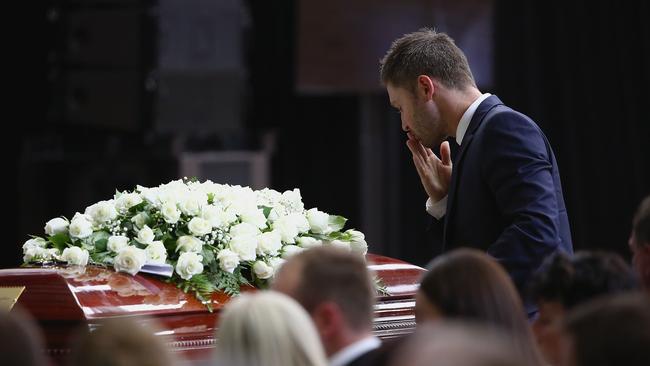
{"x": 581, "y": 69}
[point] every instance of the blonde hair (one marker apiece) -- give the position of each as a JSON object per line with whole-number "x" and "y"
{"x": 267, "y": 328}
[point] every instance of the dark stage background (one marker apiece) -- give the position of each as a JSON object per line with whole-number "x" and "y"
{"x": 105, "y": 95}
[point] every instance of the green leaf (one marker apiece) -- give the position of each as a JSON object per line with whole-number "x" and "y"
{"x": 336, "y": 235}
{"x": 337, "y": 223}
{"x": 208, "y": 256}
{"x": 99, "y": 239}
{"x": 210, "y": 198}
{"x": 229, "y": 282}
{"x": 266, "y": 210}
{"x": 139, "y": 207}
{"x": 380, "y": 287}
{"x": 102, "y": 257}
{"x": 59, "y": 241}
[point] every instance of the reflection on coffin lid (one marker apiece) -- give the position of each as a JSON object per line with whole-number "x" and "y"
{"x": 62, "y": 299}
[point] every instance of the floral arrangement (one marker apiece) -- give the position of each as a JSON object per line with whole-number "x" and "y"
{"x": 216, "y": 237}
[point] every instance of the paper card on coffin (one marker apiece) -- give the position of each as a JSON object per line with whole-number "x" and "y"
{"x": 62, "y": 299}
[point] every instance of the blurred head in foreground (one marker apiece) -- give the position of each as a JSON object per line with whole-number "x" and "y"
{"x": 121, "y": 342}
{"x": 21, "y": 341}
{"x": 469, "y": 285}
{"x": 457, "y": 344}
{"x": 267, "y": 328}
{"x": 609, "y": 331}
{"x": 564, "y": 282}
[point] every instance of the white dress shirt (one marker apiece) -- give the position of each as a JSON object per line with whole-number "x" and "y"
{"x": 356, "y": 349}
{"x": 438, "y": 209}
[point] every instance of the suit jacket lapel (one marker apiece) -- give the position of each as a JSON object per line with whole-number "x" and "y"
{"x": 476, "y": 121}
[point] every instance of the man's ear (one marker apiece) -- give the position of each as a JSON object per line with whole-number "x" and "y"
{"x": 425, "y": 87}
{"x": 327, "y": 317}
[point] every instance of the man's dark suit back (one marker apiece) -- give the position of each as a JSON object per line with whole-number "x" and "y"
{"x": 505, "y": 195}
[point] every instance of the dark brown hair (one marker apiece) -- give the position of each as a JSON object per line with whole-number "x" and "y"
{"x": 611, "y": 331}
{"x": 425, "y": 52}
{"x": 574, "y": 280}
{"x": 118, "y": 342}
{"x": 328, "y": 274}
{"x": 467, "y": 284}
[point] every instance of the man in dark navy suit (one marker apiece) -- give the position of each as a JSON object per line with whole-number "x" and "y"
{"x": 501, "y": 192}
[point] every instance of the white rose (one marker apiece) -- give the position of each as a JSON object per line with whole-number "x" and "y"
{"x": 339, "y": 244}
{"x": 170, "y": 212}
{"x": 300, "y": 221}
{"x": 254, "y": 217}
{"x": 191, "y": 203}
{"x": 267, "y": 197}
{"x": 127, "y": 200}
{"x": 290, "y": 250}
{"x": 228, "y": 216}
{"x": 318, "y": 221}
{"x": 167, "y": 196}
{"x": 31, "y": 253}
{"x": 188, "y": 265}
{"x": 117, "y": 243}
{"x": 359, "y": 246}
{"x": 199, "y": 226}
{"x": 287, "y": 229}
{"x": 244, "y": 229}
{"x": 145, "y": 235}
{"x": 156, "y": 252}
{"x": 269, "y": 243}
{"x": 309, "y": 242}
{"x": 102, "y": 212}
{"x": 35, "y": 243}
{"x": 228, "y": 260}
{"x": 213, "y": 215}
{"x": 243, "y": 199}
{"x": 51, "y": 253}
{"x": 276, "y": 263}
{"x": 130, "y": 260}
{"x": 56, "y": 225}
{"x": 149, "y": 194}
{"x": 292, "y": 201}
{"x": 358, "y": 242}
{"x": 75, "y": 256}
{"x": 80, "y": 227}
{"x": 262, "y": 270}
{"x": 245, "y": 247}
{"x": 188, "y": 243}
{"x": 35, "y": 253}
{"x": 140, "y": 220}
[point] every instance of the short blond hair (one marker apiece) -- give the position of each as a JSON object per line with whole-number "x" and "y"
{"x": 267, "y": 328}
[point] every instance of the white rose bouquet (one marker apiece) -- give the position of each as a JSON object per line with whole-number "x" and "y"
{"x": 216, "y": 237}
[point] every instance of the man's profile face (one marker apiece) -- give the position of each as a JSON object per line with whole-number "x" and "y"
{"x": 420, "y": 117}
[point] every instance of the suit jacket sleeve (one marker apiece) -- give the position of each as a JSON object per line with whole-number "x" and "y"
{"x": 518, "y": 168}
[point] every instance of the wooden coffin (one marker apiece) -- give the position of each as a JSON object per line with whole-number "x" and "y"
{"x": 65, "y": 299}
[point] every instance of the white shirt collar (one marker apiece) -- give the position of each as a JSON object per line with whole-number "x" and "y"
{"x": 354, "y": 350}
{"x": 467, "y": 118}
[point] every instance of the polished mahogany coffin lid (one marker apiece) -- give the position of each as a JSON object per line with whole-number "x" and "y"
{"x": 63, "y": 299}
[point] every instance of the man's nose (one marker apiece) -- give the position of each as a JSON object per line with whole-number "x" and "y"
{"x": 405, "y": 127}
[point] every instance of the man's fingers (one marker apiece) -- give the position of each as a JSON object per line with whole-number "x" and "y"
{"x": 445, "y": 153}
{"x": 431, "y": 154}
